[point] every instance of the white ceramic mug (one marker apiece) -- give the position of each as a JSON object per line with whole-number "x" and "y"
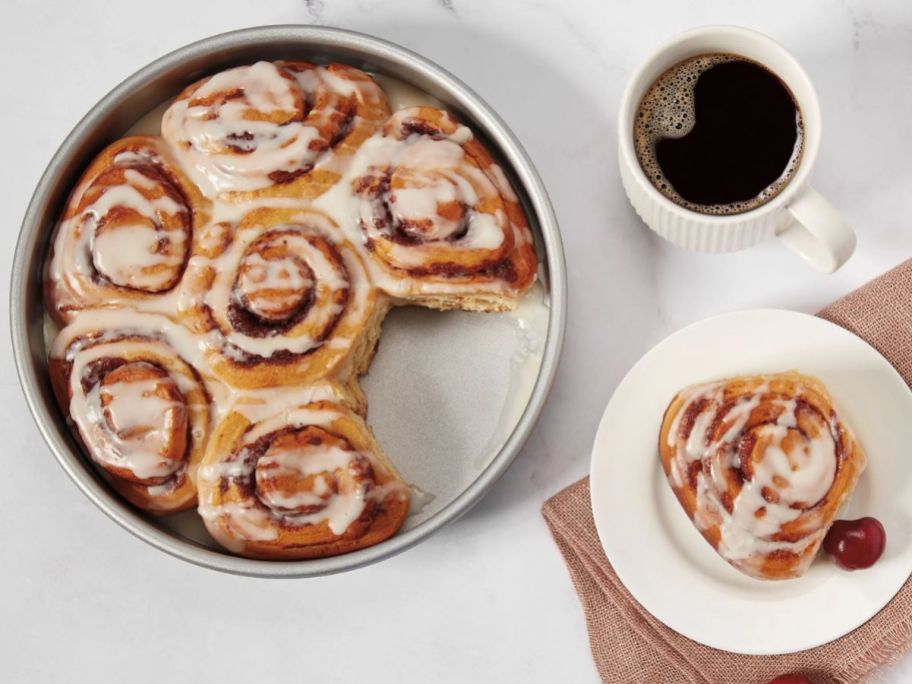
{"x": 798, "y": 215}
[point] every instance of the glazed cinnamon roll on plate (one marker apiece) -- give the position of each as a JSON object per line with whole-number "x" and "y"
{"x": 761, "y": 464}
{"x": 713, "y": 436}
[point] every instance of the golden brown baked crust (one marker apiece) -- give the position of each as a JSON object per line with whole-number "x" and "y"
{"x": 342, "y": 104}
{"x": 133, "y": 183}
{"x": 260, "y": 490}
{"x": 322, "y": 321}
{"x": 113, "y": 373}
{"x": 761, "y": 464}
{"x": 474, "y": 250}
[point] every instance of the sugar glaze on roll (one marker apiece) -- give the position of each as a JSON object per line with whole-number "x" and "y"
{"x": 761, "y": 464}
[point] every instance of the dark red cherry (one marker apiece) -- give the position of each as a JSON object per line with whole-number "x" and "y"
{"x": 855, "y": 544}
{"x": 790, "y": 679}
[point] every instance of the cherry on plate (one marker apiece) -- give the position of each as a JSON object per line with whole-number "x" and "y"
{"x": 790, "y": 679}
{"x": 855, "y": 544}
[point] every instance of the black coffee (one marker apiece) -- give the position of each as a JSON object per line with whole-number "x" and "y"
{"x": 719, "y": 134}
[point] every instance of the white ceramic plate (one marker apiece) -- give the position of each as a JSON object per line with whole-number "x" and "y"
{"x": 656, "y": 550}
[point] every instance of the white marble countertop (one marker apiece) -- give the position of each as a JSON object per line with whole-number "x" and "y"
{"x": 487, "y": 599}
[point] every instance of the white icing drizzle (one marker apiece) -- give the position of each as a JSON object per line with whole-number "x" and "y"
{"x": 168, "y": 485}
{"x": 129, "y": 197}
{"x": 235, "y": 143}
{"x": 247, "y": 522}
{"x": 418, "y": 499}
{"x": 129, "y": 257}
{"x": 255, "y": 518}
{"x": 239, "y": 143}
{"x": 503, "y": 185}
{"x": 113, "y": 324}
{"x": 260, "y": 404}
{"x": 132, "y": 407}
{"x": 798, "y": 468}
{"x": 131, "y": 431}
{"x": 339, "y": 511}
{"x": 282, "y": 282}
{"x": 435, "y": 174}
{"x": 118, "y": 323}
{"x": 145, "y": 253}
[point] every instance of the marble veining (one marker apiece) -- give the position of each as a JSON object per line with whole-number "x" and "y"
{"x": 315, "y": 9}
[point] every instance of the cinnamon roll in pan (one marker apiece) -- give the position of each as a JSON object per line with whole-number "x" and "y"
{"x": 307, "y": 481}
{"x": 139, "y": 405}
{"x": 273, "y": 128}
{"x": 440, "y": 222}
{"x": 281, "y": 298}
{"x": 224, "y": 288}
{"x": 127, "y": 231}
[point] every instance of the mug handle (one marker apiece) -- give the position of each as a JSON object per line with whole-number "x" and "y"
{"x": 817, "y": 232}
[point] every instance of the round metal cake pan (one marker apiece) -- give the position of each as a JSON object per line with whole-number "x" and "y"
{"x": 164, "y": 78}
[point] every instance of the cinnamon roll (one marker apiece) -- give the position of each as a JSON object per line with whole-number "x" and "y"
{"x": 281, "y": 298}
{"x": 442, "y": 226}
{"x": 303, "y": 483}
{"x": 273, "y": 128}
{"x": 761, "y": 464}
{"x": 126, "y": 232}
{"x": 141, "y": 410}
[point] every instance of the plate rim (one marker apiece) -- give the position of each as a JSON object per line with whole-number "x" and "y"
{"x": 597, "y": 505}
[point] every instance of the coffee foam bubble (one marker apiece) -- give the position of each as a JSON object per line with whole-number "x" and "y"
{"x": 667, "y": 111}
